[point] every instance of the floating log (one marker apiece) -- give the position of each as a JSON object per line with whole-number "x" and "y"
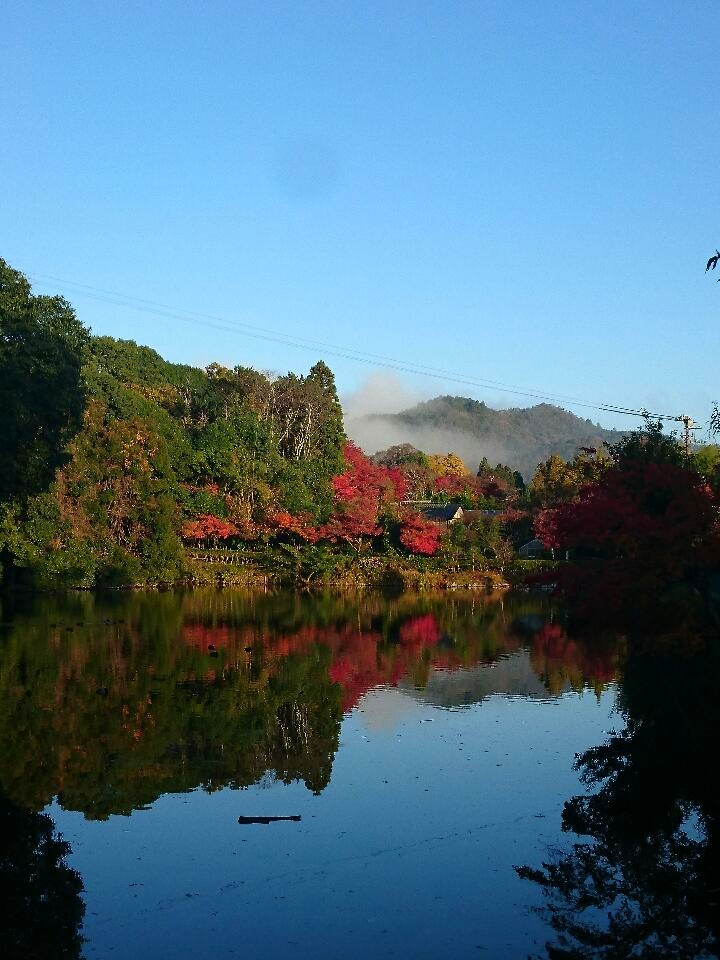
{"x": 247, "y": 820}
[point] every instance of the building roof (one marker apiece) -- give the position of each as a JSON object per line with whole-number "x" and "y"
{"x": 470, "y": 515}
{"x": 442, "y": 512}
{"x": 533, "y": 548}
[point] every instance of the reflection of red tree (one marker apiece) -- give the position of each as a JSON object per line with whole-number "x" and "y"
{"x": 420, "y": 632}
{"x": 357, "y": 668}
{"x": 202, "y": 636}
{"x": 561, "y": 661}
{"x": 364, "y": 659}
{"x": 361, "y": 660}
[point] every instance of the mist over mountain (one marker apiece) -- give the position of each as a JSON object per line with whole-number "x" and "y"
{"x": 518, "y": 437}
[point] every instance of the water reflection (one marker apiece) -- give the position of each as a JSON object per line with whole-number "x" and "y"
{"x": 644, "y": 880}
{"x": 110, "y": 703}
{"x": 41, "y": 909}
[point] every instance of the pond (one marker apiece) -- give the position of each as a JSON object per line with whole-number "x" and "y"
{"x": 280, "y": 776}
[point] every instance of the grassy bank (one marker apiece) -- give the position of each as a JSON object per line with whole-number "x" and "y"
{"x": 350, "y": 573}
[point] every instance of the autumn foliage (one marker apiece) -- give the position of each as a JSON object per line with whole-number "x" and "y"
{"x": 208, "y": 527}
{"x": 418, "y": 535}
{"x": 300, "y": 526}
{"x": 471, "y": 490}
{"x": 362, "y": 659}
{"x": 363, "y": 493}
{"x": 367, "y": 503}
{"x": 641, "y": 529}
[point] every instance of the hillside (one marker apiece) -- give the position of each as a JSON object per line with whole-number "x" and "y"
{"x": 520, "y": 438}
{"x": 120, "y": 466}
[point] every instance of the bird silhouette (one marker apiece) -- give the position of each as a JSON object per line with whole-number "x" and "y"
{"x": 713, "y": 261}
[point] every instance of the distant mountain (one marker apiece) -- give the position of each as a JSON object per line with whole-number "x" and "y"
{"x": 520, "y": 438}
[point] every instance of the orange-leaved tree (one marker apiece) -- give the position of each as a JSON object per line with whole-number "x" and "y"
{"x": 208, "y": 528}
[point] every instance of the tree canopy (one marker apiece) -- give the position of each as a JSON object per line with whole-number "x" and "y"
{"x": 42, "y": 395}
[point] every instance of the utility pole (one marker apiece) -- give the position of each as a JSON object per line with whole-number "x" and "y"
{"x": 688, "y": 426}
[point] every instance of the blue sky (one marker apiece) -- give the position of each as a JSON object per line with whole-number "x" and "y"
{"x": 521, "y": 192}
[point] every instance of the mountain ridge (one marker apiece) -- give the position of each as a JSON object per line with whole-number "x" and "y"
{"x": 520, "y": 437}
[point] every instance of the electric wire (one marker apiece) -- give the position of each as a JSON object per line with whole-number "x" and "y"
{"x": 257, "y": 332}
{"x": 252, "y": 330}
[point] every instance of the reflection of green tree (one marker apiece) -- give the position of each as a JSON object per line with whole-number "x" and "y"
{"x": 110, "y": 702}
{"x": 111, "y": 715}
{"x": 647, "y": 881}
{"x": 41, "y": 909}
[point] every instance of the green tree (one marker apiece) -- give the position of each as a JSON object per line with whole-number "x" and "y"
{"x": 306, "y": 427}
{"x": 648, "y": 445}
{"x": 120, "y": 487}
{"x": 42, "y": 345}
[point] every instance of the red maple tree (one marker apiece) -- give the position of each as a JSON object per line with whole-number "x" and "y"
{"x": 418, "y": 535}
{"x": 634, "y": 533}
{"x": 208, "y": 527}
{"x": 362, "y": 494}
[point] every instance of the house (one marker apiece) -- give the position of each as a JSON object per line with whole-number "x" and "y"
{"x": 446, "y": 513}
{"x": 535, "y": 550}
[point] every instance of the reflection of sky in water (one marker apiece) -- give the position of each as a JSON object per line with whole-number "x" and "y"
{"x": 408, "y": 852}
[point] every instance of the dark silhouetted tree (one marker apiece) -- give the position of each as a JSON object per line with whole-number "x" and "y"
{"x": 41, "y": 909}
{"x": 642, "y": 879}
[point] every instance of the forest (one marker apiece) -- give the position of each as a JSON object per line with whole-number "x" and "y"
{"x": 122, "y": 469}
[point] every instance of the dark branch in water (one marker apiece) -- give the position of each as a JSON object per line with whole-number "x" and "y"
{"x": 247, "y": 820}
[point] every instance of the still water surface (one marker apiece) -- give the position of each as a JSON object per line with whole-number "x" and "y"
{"x": 426, "y": 747}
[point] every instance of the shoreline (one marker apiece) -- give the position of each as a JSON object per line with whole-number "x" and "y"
{"x": 384, "y": 578}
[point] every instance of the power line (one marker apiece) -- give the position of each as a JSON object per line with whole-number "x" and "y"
{"x": 263, "y": 333}
{"x": 257, "y": 332}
